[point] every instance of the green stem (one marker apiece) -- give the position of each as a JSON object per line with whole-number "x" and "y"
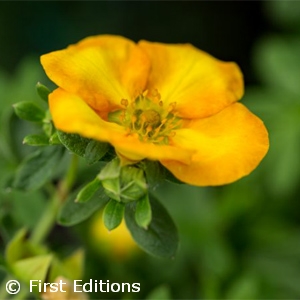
{"x": 48, "y": 219}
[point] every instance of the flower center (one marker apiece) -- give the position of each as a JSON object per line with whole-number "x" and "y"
{"x": 147, "y": 117}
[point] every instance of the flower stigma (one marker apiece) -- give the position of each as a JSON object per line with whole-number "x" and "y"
{"x": 147, "y": 117}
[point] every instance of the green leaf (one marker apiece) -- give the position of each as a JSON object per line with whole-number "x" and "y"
{"x": 89, "y": 149}
{"x": 110, "y": 154}
{"x": 26, "y": 207}
{"x": 29, "y": 111}
{"x": 87, "y": 192}
{"x": 94, "y": 151}
{"x": 155, "y": 172}
{"x": 143, "y": 213}
{"x": 32, "y": 268}
{"x": 37, "y": 168}
{"x": 73, "y": 142}
{"x": 36, "y": 140}
{"x": 113, "y": 214}
{"x": 73, "y": 212}
{"x": 42, "y": 91}
{"x": 161, "y": 237}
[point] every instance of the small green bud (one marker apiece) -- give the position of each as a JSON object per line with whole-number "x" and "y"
{"x": 29, "y": 111}
{"x": 113, "y": 214}
{"x": 42, "y": 91}
{"x": 123, "y": 183}
{"x": 133, "y": 184}
{"x": 36, "y": 140}
{"x": 109, "y": 177}
{"x": 88, "y": 191}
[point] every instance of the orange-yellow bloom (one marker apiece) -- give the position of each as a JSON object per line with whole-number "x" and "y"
{"x": 168, "y": 102}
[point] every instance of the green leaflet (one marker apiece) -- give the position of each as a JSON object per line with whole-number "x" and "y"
{"x": 113, "y": 214}
{"x": 161, "y": 237}
{"x": 87, "y": 192}
{"x": 42, "y": 91}
{"x": 36, "y": 140}
{"x": 143, "y": 213}
{"x": 37, "y": 168}
{"x": 29, "y": 111}
{"x": 73, "y": 212}
{"x": 89, "y": 149}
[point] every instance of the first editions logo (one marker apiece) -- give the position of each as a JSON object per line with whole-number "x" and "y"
{"x": 88, "y": 287}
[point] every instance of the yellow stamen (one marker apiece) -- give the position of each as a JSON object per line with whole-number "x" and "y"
{"x": 146, "y": 117}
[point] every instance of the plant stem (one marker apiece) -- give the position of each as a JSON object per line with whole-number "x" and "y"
{"x": 47, "y": 220}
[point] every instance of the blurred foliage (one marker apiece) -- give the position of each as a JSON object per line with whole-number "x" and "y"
{"x": 240, "y": 241}
{"x": 16, "y": 208}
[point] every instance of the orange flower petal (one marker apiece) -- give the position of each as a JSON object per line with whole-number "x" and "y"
{"x": 72, "y": 115}
{"x": 228, "y": 145}
{"x": 200, "y": 84}
{"x": 102, "y": 70}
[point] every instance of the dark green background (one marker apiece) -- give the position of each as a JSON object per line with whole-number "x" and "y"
{"x": 225, "y": 29}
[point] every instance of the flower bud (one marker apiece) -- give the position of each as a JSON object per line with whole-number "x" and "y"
{"x": 125, "y": 183}
{"x": 109, "y": 177}
{"x": 133, "y": 184}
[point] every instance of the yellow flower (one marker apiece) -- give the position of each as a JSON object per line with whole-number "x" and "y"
{"x": 168, "y": 102}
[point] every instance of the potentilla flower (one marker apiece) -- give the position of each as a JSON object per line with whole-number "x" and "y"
{"x": 168, "y": 102}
